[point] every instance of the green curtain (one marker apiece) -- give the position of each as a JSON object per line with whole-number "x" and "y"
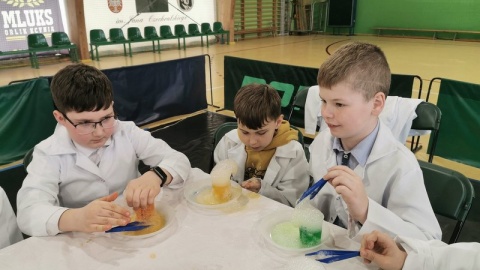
{"x": 25, "y": 117}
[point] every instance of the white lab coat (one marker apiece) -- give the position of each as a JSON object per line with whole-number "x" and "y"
{"x": 9, "y": 231}
{"x": 60, "y": 177}
{"x": 435, "y": 254}
{"x": 286, "y": 177}
{"x": 398, "y": 114}
{"x": 393, "y": 180}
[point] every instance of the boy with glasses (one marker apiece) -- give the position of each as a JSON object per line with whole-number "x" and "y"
{"x": 77, "y": 173}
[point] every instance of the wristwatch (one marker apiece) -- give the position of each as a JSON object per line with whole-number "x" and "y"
{"x": 163, "y": 176}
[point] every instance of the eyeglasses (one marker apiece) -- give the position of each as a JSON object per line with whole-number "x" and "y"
{"x": 88, "y": 127}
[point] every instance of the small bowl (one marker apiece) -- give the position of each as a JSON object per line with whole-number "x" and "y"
{"x": 193, "y": 190}
{"x": 166, "y": 231}
{"x": 268, "y": 223}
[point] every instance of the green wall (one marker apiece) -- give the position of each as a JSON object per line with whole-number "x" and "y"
{"x": 427, "y": 14}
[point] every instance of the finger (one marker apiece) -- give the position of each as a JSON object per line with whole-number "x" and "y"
{"x": 136, "y": 198}
{"x": 151, "y": 196}
{"x": 144, "y": 197}
{"x": 368, "y": 255}
{"x": 128, "y": 193}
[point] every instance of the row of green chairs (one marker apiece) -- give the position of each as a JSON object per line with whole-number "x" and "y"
{"x": 60, "y": 41}
{"x": 134, "y": 35}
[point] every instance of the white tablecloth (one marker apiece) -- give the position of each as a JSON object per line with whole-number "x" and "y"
{"x": 197, "y": 240}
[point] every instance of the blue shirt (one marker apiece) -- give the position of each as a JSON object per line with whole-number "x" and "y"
{"x": 360, "y": 152}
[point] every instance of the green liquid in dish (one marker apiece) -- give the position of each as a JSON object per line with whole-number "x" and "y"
{"x": 310, "y": 238}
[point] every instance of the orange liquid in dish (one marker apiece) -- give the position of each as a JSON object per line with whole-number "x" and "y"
{"x": 222, "y": 193}
{"x": 151, "y": 217}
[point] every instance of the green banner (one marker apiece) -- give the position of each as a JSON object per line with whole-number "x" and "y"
{"x": 286, "y": 79}
{"x": 26, "y": 118}
{"x": 460, "y": 125}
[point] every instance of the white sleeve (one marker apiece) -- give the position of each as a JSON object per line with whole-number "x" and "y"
{"x": 435, "y": 254}
{"x": 9, "y": 231}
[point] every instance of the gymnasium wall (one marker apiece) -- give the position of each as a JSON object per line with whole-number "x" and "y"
{"x": 428, "y": 14}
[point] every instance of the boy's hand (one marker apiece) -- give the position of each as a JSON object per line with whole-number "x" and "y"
{"x": 350, "y": 187}
{"x": 379, "y": 248}
{"x": 253, "y": 184}
{"x": 98, "y": 216}
{"x": 142, "y": 191}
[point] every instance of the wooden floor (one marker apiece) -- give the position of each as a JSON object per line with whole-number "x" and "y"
{"x": 427, "y": 58}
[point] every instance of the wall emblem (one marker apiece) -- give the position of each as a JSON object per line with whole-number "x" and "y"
{"x": 185, "y": 5}
{"x": 115, "y": 6}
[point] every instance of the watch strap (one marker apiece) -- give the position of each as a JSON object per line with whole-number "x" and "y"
{"x": 161, "y": 174}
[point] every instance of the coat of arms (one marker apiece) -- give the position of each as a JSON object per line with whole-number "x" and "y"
{"x": 115, "y": 6}
{"x": 185, "y": 5}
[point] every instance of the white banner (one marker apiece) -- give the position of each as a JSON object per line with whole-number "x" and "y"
{"x": 107, "y": 14}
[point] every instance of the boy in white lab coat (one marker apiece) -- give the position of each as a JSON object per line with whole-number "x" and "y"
{"x": 78, "y": 172}
{"x": 270, "y": 160}
{"x": 408, "y": 253}
{"x": 380, "y": 184}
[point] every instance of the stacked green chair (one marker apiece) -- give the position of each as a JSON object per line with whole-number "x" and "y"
{"x": 181, "y": 32}
{"x": 193, "y": 31}
{"x": 97, "y": 38}
{"x": 166, "y": 33}
{"x": 206, "y": 31}
{"x": 218, "y": 29}
{"x": 296, "y": 116}
{"x": 150, "y": 33}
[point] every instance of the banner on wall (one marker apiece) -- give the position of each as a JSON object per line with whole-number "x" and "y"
{"x": 107, "y": 14}
{"x": 19, "y": 18}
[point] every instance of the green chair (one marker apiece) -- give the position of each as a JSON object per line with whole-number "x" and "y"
{"x": 116, "y": 36}
{"x": 60, "y": 41}
{"x": 181, "y": 33}
{"x": 97, "y": 39}
{"x": 150, "y": 33}
{"x": 206, "y": 30}
{"x": 296, "y": 116}
{"x": 428, "y": 118}
{"x": 134, "y": 35}
{"x": 451, "y": 195}
{"x": 193, "y": 31}
{"x": 218, "y": 29}
{"x": 36, "y": 43}
{"x": 166, "y": 33}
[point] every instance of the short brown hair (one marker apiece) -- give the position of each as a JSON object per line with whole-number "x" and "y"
{"x": 255, "y": 104}
{"x": 81, "y": 88}
{"x": 362, "y": 65}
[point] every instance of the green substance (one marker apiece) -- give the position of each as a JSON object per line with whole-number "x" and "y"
{"x": 310, "y": 238}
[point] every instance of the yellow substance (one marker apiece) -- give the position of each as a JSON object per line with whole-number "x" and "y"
{"x": 208, "y": 196}
{"x": 155, "y": 220}
{"x": 222, "y": 193}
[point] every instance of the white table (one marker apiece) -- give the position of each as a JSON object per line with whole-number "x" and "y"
{"x": 199, "y": 241}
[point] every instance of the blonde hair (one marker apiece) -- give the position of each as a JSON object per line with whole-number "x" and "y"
{"x": 362, "y": 65}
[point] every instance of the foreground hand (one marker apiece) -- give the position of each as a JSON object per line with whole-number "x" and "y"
{"x": 381, "y": 249}
{"x": 142, "y": 191}
{"x": 350, "y": 187}
{"x": 98, "y": 216}
{"x": 253, "y": 184}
